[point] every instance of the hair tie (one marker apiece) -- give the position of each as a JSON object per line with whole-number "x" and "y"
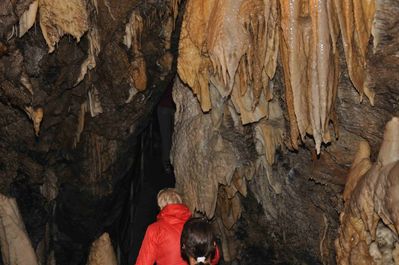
{"x": 201, "y": 259}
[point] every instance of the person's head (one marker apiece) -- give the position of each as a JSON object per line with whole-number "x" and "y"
{"x": 197, "y": 242}
{"x": 168, "y": 196}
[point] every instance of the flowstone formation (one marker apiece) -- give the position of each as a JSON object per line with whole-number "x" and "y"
{"x": 370, "y": 220}
{"x": 287, "y": 78}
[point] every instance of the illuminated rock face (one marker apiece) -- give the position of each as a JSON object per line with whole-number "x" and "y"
{"x": 370, "y": 221}
{"x": 327, "y": 65}
{"x": 233, "y": 45}
{"x": 59, "y": 17}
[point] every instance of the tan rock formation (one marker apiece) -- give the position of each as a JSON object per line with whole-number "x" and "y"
{"x": 370, "y": 221}
{"x": 132, "y": 39}
{"x": 102, "y": 252}
{"x": 28, "y": 18}
{"x": 310, "y": 60}
{"x": 94, "y": 50}
{"x": 58, "y": 17}
{"x": 355, "y": 20}
{"x": 16, "y": 248}
{"x": 36, "y": 115}
{"x": 225, "y": 44}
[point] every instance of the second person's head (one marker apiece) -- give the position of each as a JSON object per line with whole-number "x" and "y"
{"x": 197, "y": 242}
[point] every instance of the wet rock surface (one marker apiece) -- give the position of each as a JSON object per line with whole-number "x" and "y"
{"x": 73, "y": 125}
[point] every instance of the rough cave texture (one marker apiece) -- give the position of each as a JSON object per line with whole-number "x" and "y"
{"x": 77, "y": 87}
{"x": 273, "y": 99}
{"x": 369, "y": 222}
{"x": 291, "y": 77}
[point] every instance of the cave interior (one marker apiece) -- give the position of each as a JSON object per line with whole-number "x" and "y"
{"x": 285, "y": 127}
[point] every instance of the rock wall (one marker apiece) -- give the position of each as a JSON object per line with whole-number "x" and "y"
{"x": 311, "y": 109}
{"x": 77, "y": 87}
{"x": 271, "y": 105}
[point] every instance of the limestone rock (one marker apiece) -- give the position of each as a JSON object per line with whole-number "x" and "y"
{"x": 370, "y": 220}
{"x": 16, "y": 248}
{"x": 102, "y": 252}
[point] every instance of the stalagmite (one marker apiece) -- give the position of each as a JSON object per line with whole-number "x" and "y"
{"x": 102, "y": 252}
{"x": 16, "y": 248}
{"x": 370, "y": 220}
{"x": 361, "y": 164}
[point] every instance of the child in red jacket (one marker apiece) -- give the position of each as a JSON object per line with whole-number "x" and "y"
{"x": 161, "y": 242}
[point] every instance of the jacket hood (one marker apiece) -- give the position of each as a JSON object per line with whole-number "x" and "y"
{"x": 174, "y": 213}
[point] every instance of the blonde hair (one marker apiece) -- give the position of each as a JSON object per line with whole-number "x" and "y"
{"x": 168, "y": 196}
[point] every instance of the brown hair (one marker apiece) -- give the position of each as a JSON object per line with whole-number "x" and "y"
{"x": 197, "y": 240}
{"x": 168, "y": 196}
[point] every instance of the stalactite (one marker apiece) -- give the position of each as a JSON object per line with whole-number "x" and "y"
{"x": 310, "y": 62}
{"x": 227, "y": 56}
{"x": 232, "y": 53}
{"x": 28, "y": 18}
{"x": 36, "y": 115}
{"x": 355, "y": 19}
{"x": 94, "y": 50}
{"x": 237, "y": 48}
{"x": 193, "y": 62}
{"x": 59, "y": 17}
{"x": 81, "y": 123}
{"x": 132, "y": 39}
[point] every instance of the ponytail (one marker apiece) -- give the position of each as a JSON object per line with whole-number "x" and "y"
{"x": 198, "y": 241}
{"x": 201, "y": 261}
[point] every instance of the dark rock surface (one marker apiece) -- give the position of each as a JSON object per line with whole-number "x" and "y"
{"x": 94, "y": 175}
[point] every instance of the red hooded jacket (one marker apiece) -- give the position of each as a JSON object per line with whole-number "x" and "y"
{"x": 161, "y": 242}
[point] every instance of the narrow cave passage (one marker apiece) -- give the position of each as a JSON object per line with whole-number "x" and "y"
{"x": 148, "y": 177}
